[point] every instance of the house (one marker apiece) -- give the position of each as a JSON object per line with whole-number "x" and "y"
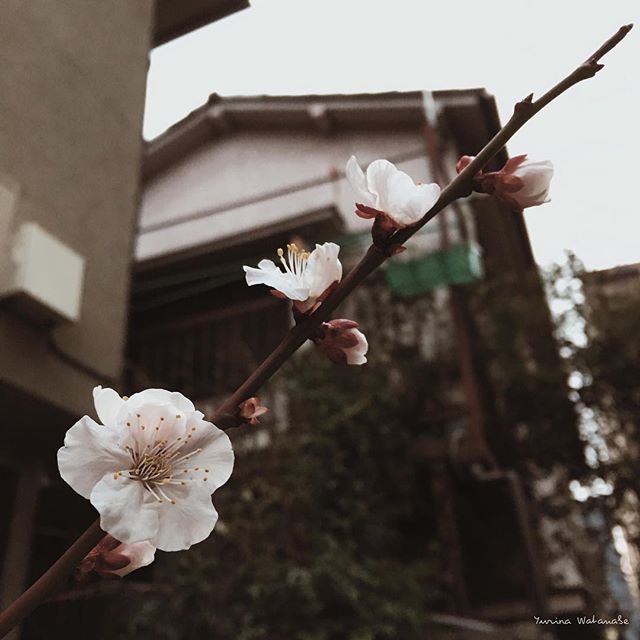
{"x": 240, "y": 177}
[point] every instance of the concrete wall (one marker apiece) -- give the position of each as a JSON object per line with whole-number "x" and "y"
{"x": 72, "y": 86}
{"x": 250, "y": 164}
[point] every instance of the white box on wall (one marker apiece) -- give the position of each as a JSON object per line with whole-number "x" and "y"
{"x": 47, "y": 278}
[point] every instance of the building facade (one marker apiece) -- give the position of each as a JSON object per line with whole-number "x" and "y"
{"x": 72, "y": 91}
{"x": 240, "y": 177}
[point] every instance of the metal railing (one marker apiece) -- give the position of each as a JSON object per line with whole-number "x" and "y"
{"x": 208, "y": 353}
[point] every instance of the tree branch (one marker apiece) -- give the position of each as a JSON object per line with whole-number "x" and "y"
{"x": 226, "y": 415}
{"x": 54, "y": 578}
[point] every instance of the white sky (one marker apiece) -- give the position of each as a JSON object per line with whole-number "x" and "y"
{"x": 511, "y": 47}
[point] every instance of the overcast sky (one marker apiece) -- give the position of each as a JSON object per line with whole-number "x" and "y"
{"x": 511, "y": 47}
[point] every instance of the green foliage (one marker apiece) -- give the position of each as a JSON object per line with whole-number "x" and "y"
{"x": 325, "y": 533}
{"x": 327, "y": 530}
{"x": 534, "y": 418}
{"x": 607, "y": 365}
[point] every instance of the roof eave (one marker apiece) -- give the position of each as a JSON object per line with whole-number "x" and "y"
{"x": 321, "y": 113}
{"x": 175, "y": 19}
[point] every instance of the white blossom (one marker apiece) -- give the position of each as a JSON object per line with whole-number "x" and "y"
{"x": 385, "y": 190}
{"x": 304, "y": 277}
{"x": 150, "y": 467}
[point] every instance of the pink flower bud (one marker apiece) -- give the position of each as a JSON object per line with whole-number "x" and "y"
{"x": 251, "y": 410}
{"x": 342, "y": 342}
{"x": 111, "y": 558}
{"x": 520, "y": 183}
{"x": 463, "y": 163}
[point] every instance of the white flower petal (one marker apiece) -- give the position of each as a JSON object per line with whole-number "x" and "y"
{"x": 323, "y": 268}
{"x": 358, "y": 182}
{"x": 424, "y": 196}
{"x": 107, "y": 402}
{"x": 140, "y": 554}
{"x": 266, "y": 269}
{"x": 536, "y": 166}
{"x": 536, "y": 178}
{"x": 273, "y": 277}
{"x": 127, "y": 510}
{"x": 379, "y": 173}
{"x": 397, "y": 195}
{"x": 268, "y": 265}
{"x": 90, "y": 451}
{"x": 159, "y": 397}
{"x": 399, "y": 189}
{"x": 215, "y": 461}
{"x": 356, "y": 355}
{"x": 190, "y": 520}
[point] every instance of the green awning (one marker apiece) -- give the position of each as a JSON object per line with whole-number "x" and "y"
{"x": 459, "y": 264}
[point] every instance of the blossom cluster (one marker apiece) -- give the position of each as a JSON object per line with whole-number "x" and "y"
{"x": 151, "y": 464}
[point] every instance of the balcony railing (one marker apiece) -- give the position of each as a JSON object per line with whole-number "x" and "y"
{"x": 206, "y": 354}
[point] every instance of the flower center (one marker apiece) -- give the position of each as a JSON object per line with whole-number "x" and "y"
{"x": 295, "y": 263}
{"x": 156, "y": 463}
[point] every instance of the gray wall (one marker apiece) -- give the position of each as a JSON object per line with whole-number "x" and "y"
{"x": 72, "y": 86}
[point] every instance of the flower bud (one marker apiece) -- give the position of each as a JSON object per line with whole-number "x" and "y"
{"x": 342, "y": 342}
{"x": 520, "y": 183}
{"x": 251, "y": 410}
{"x": 111, "y": 558}
{"x": 463, "y": 163}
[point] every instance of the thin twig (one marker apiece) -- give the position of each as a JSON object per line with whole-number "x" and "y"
{"x": 225, "y": 417}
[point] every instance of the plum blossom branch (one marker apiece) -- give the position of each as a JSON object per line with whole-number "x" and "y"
{"x": 522, "y": 113}
{"x": 227, "y": 414}
{"x": 461, "y": 186}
